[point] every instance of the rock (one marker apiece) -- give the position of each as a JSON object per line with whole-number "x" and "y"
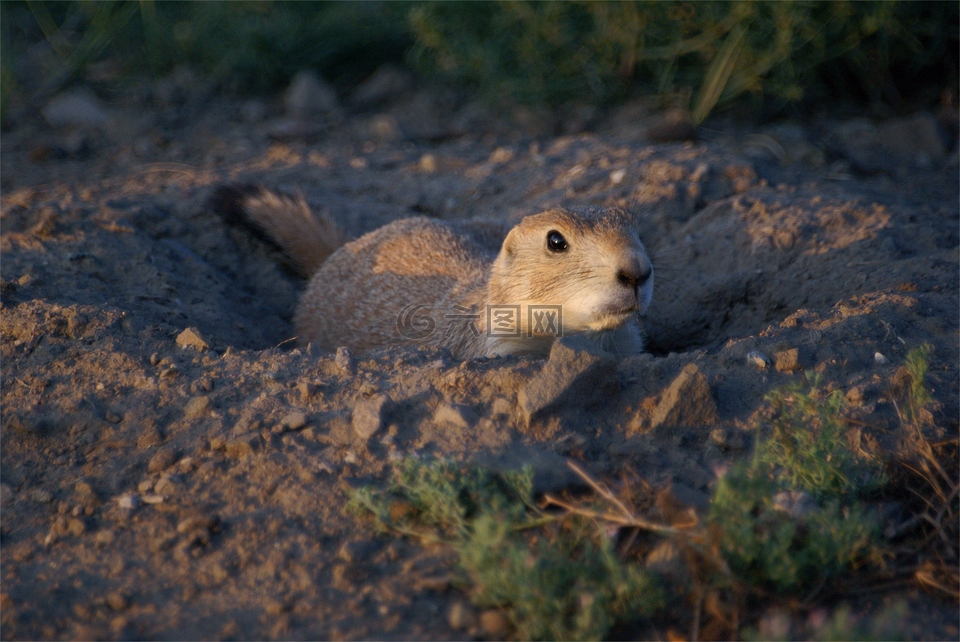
{"x": 686, "y": 496}
{"x": 687, "y": 402}
{"x": 243, "y": 446}
{"x": 294, "y": 421}
{"x": 192, "y": 338}
{"x": 40, "y": 496}
{"x": 162, "y": 459}
{"x": 575, "y": 375}
{"x": 368, "y": 415}
{"x": 859, "y": 141}
{"x": 758, "y": 359}
{"x": 672, "y": 126}
{"x": 104, "y": 537}
{"x": 117, "y": 601}
{"x": 790, "y": 359}
{"x": 461, "y": 616}
{"x": 385, "y": 127}
{"x": 170, "y": 372}
{"x": 85, "y": 491}
{"x": 428, "y": 163}
{"x": 917, "y": 139}
{"x": 345, "y": 360}
{"x": 167, "y": 485}
{"x": 384, "y": 85}
{"x": 76, "y": 108}
{"x": 150, "y": 436}
{"x": 129, "y": 501}
{"x": 308, "y": 97}
{"x": 494, "y": 624}
{"x": 306, "y": 390}
{"x": 501, "y": 407}
{"x": 458, "y": 415}
{"x": 197, "y": 407}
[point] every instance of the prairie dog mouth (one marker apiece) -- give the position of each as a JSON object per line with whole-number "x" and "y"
{"x": 610, "y": 319}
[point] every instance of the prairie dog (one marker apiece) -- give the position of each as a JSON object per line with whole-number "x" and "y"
{"x": 478, "y": 288}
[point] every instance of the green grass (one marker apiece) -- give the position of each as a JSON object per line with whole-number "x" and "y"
{"x": 806, "y": 456}
{"x": 698, "y": 55}
{"x": 551, "y": 583}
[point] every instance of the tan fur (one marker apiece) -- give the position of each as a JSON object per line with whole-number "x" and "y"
{"x": 307, "y": 238}
{"x": 428, "y": 282}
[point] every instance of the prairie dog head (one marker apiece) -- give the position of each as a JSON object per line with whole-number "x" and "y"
{"x": 589, "y": 261}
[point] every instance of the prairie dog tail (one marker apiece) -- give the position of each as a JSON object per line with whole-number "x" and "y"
{"x": 308, "y": 238}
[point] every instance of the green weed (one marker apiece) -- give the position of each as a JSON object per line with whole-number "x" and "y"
{"x": 790, "y": 518}
{"x": 698, "y": 55}
{"x": 564, "y": 583}
{"x": 917, "y": 394}
{"x": 808, "y": 448}
{"x": 704, "y": 53}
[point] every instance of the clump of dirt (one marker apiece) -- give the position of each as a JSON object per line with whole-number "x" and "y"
{"x": 173, "y": 464}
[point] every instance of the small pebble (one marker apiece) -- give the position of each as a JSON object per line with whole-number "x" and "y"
{"x": 41, "y": 496}
{"x": 758, "y": 359}
{"x": 163, "y": 459}
{"x": 787, "y": 360}
{"x": 368, "y": 415}
{"x": 294, "y": 421}
{"x": 243, "y": 445}
{"x": 117, "y": 601}
{"x": 880, "y": 359}
{"x": 457, "y": 415}
{"x": 167, "y": 485}
{"x": 345, "y": 360}
{"x": 428, "y": 163}
{"x": 494, "y": 624}
{"x": 461, "y": 617}
{"x": 104, "y": 538}
{"x": 306, "y": 390}
{"x": 197, "y": 407}
{"x": 128, "y": 501}
{"x": 191, "y": 338}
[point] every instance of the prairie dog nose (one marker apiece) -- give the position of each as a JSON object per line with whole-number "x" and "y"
{"x": 634, "y": 271}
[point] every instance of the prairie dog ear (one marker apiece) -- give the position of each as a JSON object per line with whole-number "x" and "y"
{"x": 510, "y": 245}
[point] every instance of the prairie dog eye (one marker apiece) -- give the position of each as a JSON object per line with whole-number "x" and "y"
{"x": 556, "y": 242}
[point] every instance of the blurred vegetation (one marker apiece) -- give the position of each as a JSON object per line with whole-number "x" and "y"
{"x": 700, "y": 55}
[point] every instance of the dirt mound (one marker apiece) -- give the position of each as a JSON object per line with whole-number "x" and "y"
{"x": 157, "y": 484}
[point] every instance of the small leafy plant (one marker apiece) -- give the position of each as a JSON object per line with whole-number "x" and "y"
{"x": 790, "y": 517}
{"x": 560, "y": 583}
